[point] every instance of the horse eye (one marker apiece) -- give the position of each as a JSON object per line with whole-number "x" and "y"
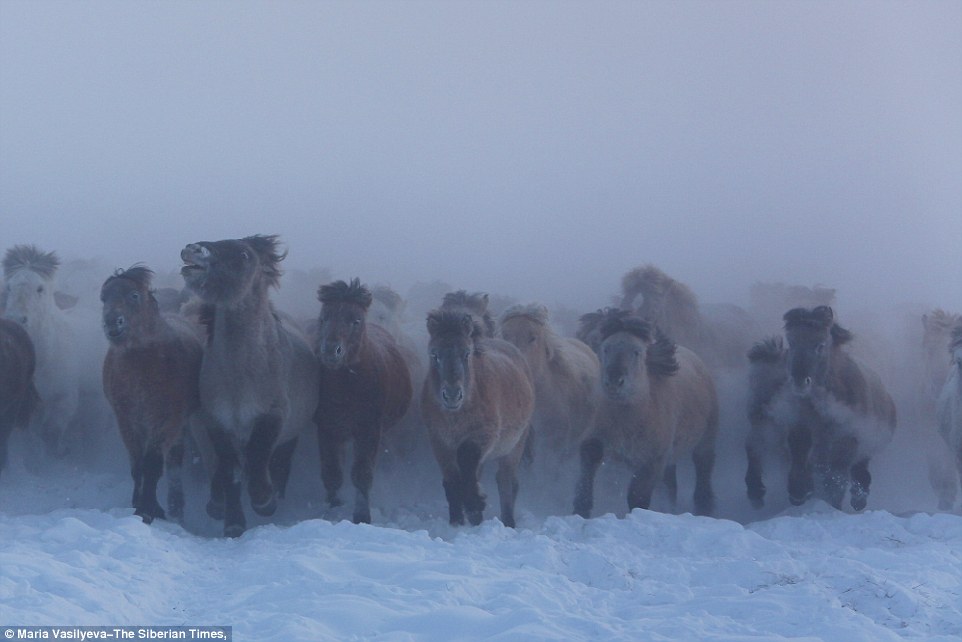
{"x": 637, "y": 352}
{"x": 135, "y": 296}
{"x": 356, "y": 322}
{"x": 467, "y": 354}
{"x": 39, "y": 289}
{"x": 531, "y": 340}
{"x": 245, "y": 255}
{"x": 435, "y": 357}
{"x": 819, "y": 347}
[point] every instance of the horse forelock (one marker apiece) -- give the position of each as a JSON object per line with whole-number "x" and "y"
{"x": 940, "y": 320}
{"x": 267, "y": 247}
{"x": 344, "y": 292}
{"x": 30, "y": 257}
{"x": 534, "y": 312}
{"x": 139, "y": 274}
{"x": 819, "y": 317}
{"x": 615, "y": 320}
{"x": 453, "y": 323}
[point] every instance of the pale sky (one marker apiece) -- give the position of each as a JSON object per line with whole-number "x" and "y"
{"x": 538, "y": 149}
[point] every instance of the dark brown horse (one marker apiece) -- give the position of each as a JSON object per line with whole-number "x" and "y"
{"x": 151, "y": 379}
{"x": 258, "y": 378}
{"x": 18, "y": 396}
{"x": 658, "y": 403}
{"x": 831, "y": 413}
{"x": 365, "y": 389}
{"x": 476, "y": 402}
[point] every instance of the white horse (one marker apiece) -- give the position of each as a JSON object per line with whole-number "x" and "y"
{"x": 949, "y": 410}
{"x": 29, "y": 300}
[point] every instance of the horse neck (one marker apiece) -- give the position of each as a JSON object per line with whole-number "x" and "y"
{"x": 250, "y": 320}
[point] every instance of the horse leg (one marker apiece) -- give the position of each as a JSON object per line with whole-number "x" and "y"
{"x": 861, "y": 480}
{"x": 592, "y": 453}
{"x": 801, "y": 484}
{"x": 838, "y": 473}
{"x": 330, "y": 448}
{"x": 643, "y": 482}
{"x": 362, "y": 471}
{"x": 137, "y": 474}
{"x": 452, "y": 492}
{"x": 258, "y": 453}
{"x": 704, "y": 459}
{"x": 670, "y": 479}
{"x": 507, "y": 478}
{"x": 469, "y": 463}
{"x": 226, "y": 485}
{"x": 174, "y": 462}
{"x": 152, "y": 468}
{"x": 281, "y": 465}
{"x": 753, "y": 476}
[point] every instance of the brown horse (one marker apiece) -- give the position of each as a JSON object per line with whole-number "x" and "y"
{"x": 831, "y": 413}
{"x": 949, "y": 411}
{"x": 258, "y": 377}
{"x": 151, "y": 379}
{"x": 476, "y": 402}
{"x": 365, "y": 388}
{"x": 18, "y": 396}
{"x": 658, "y": 404}
{"x": 564, "y": 372}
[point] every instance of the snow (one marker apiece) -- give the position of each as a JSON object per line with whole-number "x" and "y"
{"x": 71, "y": 552}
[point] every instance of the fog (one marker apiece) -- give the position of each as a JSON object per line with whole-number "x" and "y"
{"x": 535, "y": 149}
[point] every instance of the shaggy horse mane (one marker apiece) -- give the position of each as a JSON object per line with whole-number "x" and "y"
{"x": 534, "y": 312}
{"x": 267, "y": 248}
{"x": 476, "y": 303}
{"x": 820, "y": 317}
{"x": 768, "y": 351}
{"x": 343, "y": 292}
{"x": 660, "y": 357}
{"x": 454, "y": 323}
{"x": 939, "y": 319}
{"x": 652, "y": 283}
{"x": 388, "y": 297}
{"x": 956, "y": 342}
{"x": 139, "y": 274}
{"x": 30, "y": 257}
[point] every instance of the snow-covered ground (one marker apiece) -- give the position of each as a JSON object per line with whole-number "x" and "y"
{"x": 72, "y": 553}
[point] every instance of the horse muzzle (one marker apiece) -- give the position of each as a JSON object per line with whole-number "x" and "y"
{"x": 802, "y": 387}
{"x": 196, "y": 258}
{"x": 452, "y": 397}
{"x": 115, "y": 327}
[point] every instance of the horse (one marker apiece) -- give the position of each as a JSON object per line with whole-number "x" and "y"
{"x": 564, "y": 372}
{"x": 937, "y": 328}
{"x": 475, "y": 304}
{"x": 365, "y": 389}
{"x": 719, "y": 334}
{"x": 258, "y": 377}
{"x": 18, "y": 395}
{"x": 151, "y": 377}
{"x": 476, "y": 402}
{"x": 949, "y": 411}
{"x": 589, "y": 327}
{"x": 658, "y": 403}
{"x": 29, "y": 300}
{"x": 828, "y": 411}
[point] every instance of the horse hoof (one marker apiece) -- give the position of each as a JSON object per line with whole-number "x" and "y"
{"x": 364, "y": 518}
{"x": 267, "y": 508}
{"x": 475, "y": 517}
{"x": 233, "y": 530}
{"x": 859, "y": 502}
{"x": 798, "y": 501}
{"x": 334, "y": 501}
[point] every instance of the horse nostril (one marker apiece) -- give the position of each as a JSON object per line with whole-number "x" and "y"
{"x": 338, "y": 351}
{"x": 808, "y": 381}
{"x": 121, "y": 322}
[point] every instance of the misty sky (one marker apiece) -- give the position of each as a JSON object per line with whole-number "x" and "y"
{"x": 533, "y": 148}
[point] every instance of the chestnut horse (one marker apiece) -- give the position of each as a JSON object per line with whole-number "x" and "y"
{"x": 151, "y": 379}
{"x": 476, "y": 402}
{"x": 365, "y": 388}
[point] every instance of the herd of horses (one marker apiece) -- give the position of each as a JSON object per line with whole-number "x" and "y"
{"x": 218, "y": 371}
